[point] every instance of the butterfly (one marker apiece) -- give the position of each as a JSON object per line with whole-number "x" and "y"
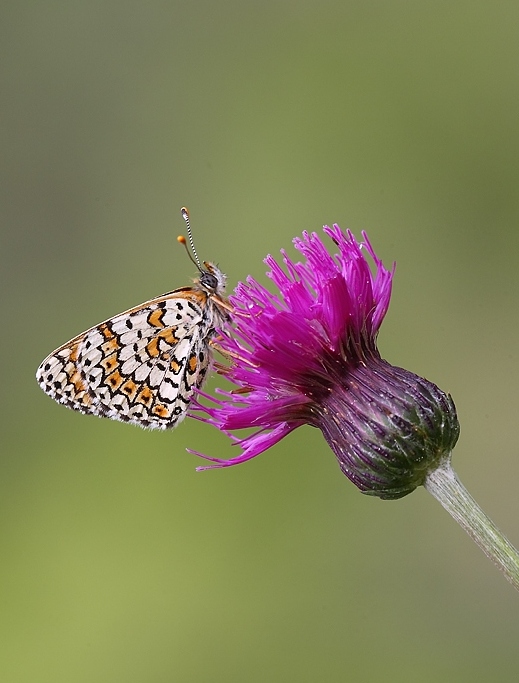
{"x": 144, "y": 365}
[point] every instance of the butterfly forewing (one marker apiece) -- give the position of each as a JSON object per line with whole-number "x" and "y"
{"x": 143, "y": 365}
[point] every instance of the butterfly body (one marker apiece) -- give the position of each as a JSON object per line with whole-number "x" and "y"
{"x": 142, "y": 366}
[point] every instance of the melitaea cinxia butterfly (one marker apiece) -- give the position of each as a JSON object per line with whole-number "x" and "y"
{"x": 143, "y": 365}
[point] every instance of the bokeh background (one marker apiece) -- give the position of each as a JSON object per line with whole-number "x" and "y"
{"x": 118, "y": 562}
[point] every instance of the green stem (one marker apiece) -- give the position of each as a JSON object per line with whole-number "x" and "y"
{"x": 445, "y": 486}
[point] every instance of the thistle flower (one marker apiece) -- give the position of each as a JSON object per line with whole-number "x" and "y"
{"x": 308, "y": 355}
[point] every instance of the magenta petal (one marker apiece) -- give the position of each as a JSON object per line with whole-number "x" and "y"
{"x": 252, "y": 446}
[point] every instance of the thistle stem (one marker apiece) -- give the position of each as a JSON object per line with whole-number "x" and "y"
{"x": 444, "y": 485}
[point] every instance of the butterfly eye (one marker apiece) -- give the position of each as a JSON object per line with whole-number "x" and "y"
{"x": 209, "y": 281}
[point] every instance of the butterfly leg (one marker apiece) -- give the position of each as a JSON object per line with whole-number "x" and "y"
{"x": 229, "y": 355}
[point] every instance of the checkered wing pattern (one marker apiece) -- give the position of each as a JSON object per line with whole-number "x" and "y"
{"x": 141, "y": 366}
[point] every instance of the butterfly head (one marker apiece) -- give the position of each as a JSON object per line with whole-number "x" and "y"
{"x": 211, "y": 279}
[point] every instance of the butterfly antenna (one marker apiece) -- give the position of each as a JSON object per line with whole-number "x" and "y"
{"x": 182, "y": 240}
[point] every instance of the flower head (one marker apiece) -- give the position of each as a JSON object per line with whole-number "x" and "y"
{"x": 308, "y": 355}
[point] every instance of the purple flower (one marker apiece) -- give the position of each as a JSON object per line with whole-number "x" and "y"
{"x": 308, "y": 355}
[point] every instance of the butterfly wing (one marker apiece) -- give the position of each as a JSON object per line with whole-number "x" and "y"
{"x": 141, "y": 366}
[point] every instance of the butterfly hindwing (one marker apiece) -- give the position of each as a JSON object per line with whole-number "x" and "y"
{"x": 141, "y": 366}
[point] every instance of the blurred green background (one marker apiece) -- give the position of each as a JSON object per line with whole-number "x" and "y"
{"x": 118, "y": 561}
